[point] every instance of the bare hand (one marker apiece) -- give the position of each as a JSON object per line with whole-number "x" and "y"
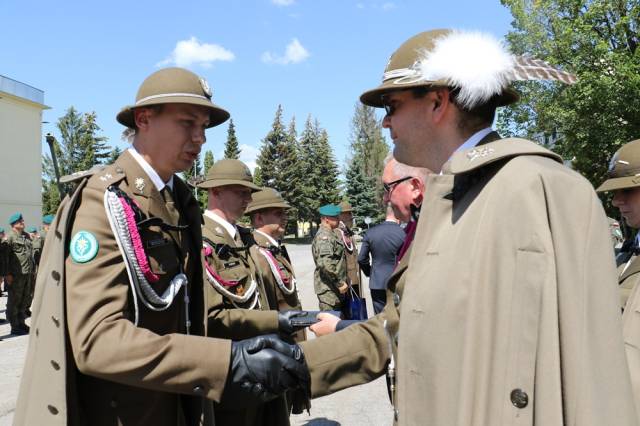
{"x": 326, "y": 325}
{"x": 343, "y": 288}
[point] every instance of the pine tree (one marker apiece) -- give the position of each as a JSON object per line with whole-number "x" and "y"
{"x": 208, "y": 162}
{"x": 270, "y": 152}
{"x": 113, "y": 155}
{"x": 231, "y": 149}
{"x": 361, "y": 193}
{"x": 191, "y": 176}
{"x": 257, "y": 176}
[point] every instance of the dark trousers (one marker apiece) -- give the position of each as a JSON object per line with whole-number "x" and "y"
{"x": 379, "y": 299}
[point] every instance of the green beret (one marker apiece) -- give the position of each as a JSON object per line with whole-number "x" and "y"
{"x": 330, "y": 210}
{"x": 15, "y": 218}
{"x": 47, "y": 219}
{"x": 32, "y": 229}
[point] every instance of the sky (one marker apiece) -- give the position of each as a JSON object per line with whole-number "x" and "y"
{"x": 311, "y": 56}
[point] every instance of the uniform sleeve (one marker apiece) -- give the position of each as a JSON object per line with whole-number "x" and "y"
{"x": 104, "y": 341}
{"x": 363, "y": 256}
{"x": 234, "y": 323}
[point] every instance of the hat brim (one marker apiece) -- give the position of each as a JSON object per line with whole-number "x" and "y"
{"x": 619, "y": 183}
{"x": 226, "y": 182}
{"x": 373, "y": 97}
{"x": 217, "y": 115}
{"x": 270, "y": 205}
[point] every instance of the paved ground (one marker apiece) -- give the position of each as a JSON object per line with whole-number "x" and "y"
{"x": 365, "y": 405}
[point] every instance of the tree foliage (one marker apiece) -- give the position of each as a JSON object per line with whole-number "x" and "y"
{"x": 208, "y": 162}
{"x": 597, "y": 40}
{"x": 368, "y": 150}
{"x": 231, "y": 148}
{"x": 79, "y": 147}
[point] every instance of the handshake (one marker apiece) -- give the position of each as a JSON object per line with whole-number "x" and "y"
{"x": 265, "y": 367}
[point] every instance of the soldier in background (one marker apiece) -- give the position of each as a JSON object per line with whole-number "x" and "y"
{"x": 238, "y": 306}
{"x": 46, "y": 223}
{"x": 345, "y": 235}
{"x": 21, "y": 267}
{"x": 268, "y": 212}
{"x": 330, "y": 276}
{"x": 4, "y": 251}
{"x": 38, "y": 243}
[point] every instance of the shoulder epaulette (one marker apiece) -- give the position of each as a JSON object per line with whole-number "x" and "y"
{"x": 106, "y": 176}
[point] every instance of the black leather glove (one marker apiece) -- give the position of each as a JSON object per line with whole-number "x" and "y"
{"x": 264, "y": 367}
{"x": 285, "y": 326}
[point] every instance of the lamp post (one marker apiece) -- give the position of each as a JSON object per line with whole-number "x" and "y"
{"x": 50, "y": 140}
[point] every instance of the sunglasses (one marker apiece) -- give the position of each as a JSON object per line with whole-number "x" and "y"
{"x": 388, "y": 187}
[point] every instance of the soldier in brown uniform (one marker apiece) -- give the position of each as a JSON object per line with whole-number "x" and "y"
{"x": 119, "y": 308}
{"x": 238, "y": 304}
{"x": 346, "y": 236}
{"x": 508, "y": 311}
{"x": 622, "y": 180}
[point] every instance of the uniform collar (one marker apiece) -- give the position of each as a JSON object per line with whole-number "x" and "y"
{"x": 231, "y": 229}
{"x": 475, "y": 139}
{"x": 268, "y": 237}
{"x": 150, "y": 171}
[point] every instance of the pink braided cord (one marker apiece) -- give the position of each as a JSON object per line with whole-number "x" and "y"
{"x": 138, "y": 247}
{"x": 208, "y": 251}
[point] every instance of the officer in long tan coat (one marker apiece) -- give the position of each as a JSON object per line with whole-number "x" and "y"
{"x": 238, "y": 304}
{"x": 623, "y": 181}
{"x": 509, "y": 311}
{"x": 119, "y": 307}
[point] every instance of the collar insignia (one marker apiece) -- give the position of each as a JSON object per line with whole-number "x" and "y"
{"x": 139, "y": 183}
{"x": 479, "y": 152}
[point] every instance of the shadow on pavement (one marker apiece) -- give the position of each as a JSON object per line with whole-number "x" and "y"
{"x": 322, "y": 421}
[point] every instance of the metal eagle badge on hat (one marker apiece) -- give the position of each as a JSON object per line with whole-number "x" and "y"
{"x": 206, "y": 88}
{"x": 83, "y": 247}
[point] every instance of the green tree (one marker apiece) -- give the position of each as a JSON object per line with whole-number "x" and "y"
{"x": 192, "y": 176}
{"x": 597, "y": 40}
{"x": 208, "y": 162}
{"x": 361, "y": 192}
{"x": 257, "y": 176}
{"x": 113, "y": 155}
{"x": 78, "y": 148}
{"x": 231, "y": 149}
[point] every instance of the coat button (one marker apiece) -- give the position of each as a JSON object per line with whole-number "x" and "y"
{"x": 113, "y": 403}
{"x": 519, "y": 398}
{"x": 198, "y": 390}
{"x": 396, "y": 299}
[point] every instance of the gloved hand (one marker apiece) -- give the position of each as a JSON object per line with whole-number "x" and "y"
{"x": 264, "y": 367}
{"x": 284, "y": 322}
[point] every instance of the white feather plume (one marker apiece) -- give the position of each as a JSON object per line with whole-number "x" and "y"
{"x": 476, "y": 63}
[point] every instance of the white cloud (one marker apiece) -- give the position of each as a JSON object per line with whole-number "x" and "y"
{"x": 388, "y": 6}
{"x": 283, "y": 2}
{"x": 193, "y": 52}
{"x": 295, "y": 53}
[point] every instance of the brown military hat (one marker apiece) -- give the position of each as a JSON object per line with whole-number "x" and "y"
{"x": 265, "y": 199}
{"x": 346, "y": 207}
{"x": 407, "y": 65}
{"x": 174, "y": 86}
{"x": 624, "y": 168}
{"x": 228, "y": 172}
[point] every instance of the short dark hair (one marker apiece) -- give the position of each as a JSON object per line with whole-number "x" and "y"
{"x": 470, "y": 120}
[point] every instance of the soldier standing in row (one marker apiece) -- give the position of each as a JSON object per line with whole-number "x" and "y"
{"x": 120, "y": 305}
{"x": 21, "y": 268}
{"x": 268, "y": 212}
{"x": 238, "y": 305}
{"x": 37, "y": 243}
{"x": 4, "y": 260}
{"x": 330, "y": 275}
{"x": 622, "y": 180}
{"x": 346, "y": 236}
{"x": 46, "y": 223}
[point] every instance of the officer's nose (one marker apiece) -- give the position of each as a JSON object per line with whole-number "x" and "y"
{"x": 199, "y": 136}
{"x": 386, "y": 122}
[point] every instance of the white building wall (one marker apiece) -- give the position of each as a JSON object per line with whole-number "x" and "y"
{"x": 20, "y": 156}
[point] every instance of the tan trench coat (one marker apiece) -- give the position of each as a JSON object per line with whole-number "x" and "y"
{"x": 630, "y": 292}
{"x": 509, "y": 311}
{"x": 87, "y": 363}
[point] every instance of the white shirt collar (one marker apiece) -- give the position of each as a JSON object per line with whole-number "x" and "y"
{"x": 153, "y": 175}
{"x": 269, "y": 237}
{"x": 474, "y": 139}
{"x": 231, "y": 229}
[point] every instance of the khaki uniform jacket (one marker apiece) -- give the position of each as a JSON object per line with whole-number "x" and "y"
{"x": 631, "y": 322}
{"x": 351, "y": 258}
{"x": 511, "y": 291}
{"x": 87, "y": 362}
{"x": 21, "y": 260}
{"x": 236, "y": 322}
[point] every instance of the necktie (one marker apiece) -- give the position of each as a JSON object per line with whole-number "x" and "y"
{"x": 174, "y": 214}
{"x": 410, "y": 233}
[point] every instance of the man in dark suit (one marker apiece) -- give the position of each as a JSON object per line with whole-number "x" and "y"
{"x": 382, "y": 242}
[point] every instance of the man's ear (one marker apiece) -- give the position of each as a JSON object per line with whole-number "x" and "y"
{"x": 141, "y": 117}
{"x": 441, "y": 103}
